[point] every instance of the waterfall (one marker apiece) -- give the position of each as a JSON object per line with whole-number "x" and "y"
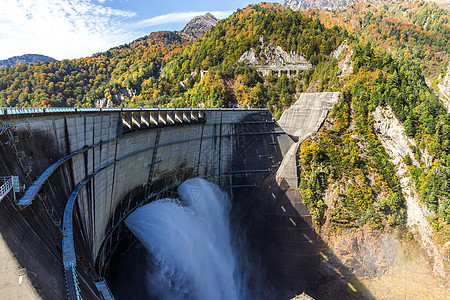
{"x": 190, "y": 252}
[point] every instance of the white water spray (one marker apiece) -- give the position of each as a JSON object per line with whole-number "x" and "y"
{"x": 190, "y": 244}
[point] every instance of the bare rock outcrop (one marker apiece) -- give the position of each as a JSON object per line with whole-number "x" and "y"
{"x": 103, "y": 103}
{"x": 365, "y": 254}
{"x": 198, "y": 26}
{"x": 272, "y": 58}
{"x": 343, "y": 54}
{"x": 121, "y": 96}
{"x": 444, "y": 89}
{"x": 393, "y": 138}
{"x": 321, "y": 4}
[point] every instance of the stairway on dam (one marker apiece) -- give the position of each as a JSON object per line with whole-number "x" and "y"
{"x": 86, "y": 170}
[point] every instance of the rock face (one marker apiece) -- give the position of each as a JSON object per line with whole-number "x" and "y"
{"x": 442, "y": 3}
{"x": 198, "y": 26}
{"x": 393, "y": 138}
{"x": 365, "y": 254}
{"x": 343, "y": 55}
{"x": 444, "y": 89}
{"x": 27, "y": 59}
{"x": 321, "y": 4}
{"x": 273, "y": 58}
{"x": 116, "y": 98}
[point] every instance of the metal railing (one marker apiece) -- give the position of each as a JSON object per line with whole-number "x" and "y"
{"x": 103, "y": 288}
{"x": 73, "y": 289}
{"x": 44, "y": 110}
{"x": 6, "y": 186}
{"x": 68, "y": 247}
{"x": 34, "y": 189}
{"x": 4, "y": 128}
{"x": 9, "y": 183}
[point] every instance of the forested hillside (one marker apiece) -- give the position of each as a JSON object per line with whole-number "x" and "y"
{"x": 415, "y": 30}
{"x": 413, "y": 41}
{"x": 24, "y": 59}
{"x": 79, "y": 82}
{"x": 390, "y": 63}
{"x": 143, "y": 67}
{"x": 348, "y": 151}
{"x": 230, "y": 83}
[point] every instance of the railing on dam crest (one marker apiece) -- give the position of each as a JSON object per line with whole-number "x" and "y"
{"x": 6, "y": 111}
{"x": 132, "y": 118}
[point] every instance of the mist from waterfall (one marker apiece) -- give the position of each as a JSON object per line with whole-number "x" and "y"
{"x": 190, "y": 249}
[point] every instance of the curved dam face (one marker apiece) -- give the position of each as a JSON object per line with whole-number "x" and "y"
{"x": 84, "y": 172}
{"x": 70, "y": 177}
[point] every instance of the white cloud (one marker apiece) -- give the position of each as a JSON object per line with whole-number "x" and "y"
{"x": 74, "y": 28}
{"x": 178, "y": 17}
{"x": 61, "y": 28}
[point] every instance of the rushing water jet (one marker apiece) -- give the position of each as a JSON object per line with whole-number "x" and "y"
{"x": 189, "y": 244}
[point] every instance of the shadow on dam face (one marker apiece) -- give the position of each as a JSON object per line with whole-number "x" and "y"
{"x": 279, "y": 247}
{"x": 234, "y": 152}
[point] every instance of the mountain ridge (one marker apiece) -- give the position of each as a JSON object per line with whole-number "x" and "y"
{"x": 337, "y": 4}
{"x": 26, "y": 58}
{"x": 198, "y": 26}
{"x": 412, "y": 30}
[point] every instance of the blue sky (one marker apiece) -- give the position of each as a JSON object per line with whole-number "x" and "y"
{"x": 78, "y": 28}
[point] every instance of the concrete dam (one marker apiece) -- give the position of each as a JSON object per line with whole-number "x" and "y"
{"x": 71, "y": 176}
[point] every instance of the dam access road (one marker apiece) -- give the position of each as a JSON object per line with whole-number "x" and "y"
{"x": 83, "y": 171}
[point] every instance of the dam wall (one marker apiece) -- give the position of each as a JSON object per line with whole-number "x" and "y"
{"x": 302, "y": 120}
{"x": 84, "y": 171}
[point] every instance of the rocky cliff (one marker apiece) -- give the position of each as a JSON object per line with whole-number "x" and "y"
{"x": 442, "y": 3}
{"x": 322, "y": 4}
{"x": 273, "y": 58}
{"x": 444, "y": 89}
{"x": 198, "y": 26}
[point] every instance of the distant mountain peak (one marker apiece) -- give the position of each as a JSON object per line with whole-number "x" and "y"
{"x": 198, "y": 26}
{"x": 321, "y": 4}
{"x": 209, "y": 15}
{"x": 26, "y": 58}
